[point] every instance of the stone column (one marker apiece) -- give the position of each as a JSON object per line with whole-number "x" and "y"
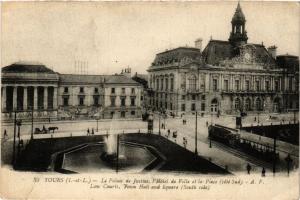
{"x": 55, "y": 98}
{"x": 35, "y": 98}
{"x": 25, "y": 98}
{"x": 3, "y": 100}
{"x": 15, "y": 98}
{"x": 45, "y": 98}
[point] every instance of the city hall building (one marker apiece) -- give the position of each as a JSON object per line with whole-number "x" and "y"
{"x": 35, "y": 89}
{"x": 227, "y": 77}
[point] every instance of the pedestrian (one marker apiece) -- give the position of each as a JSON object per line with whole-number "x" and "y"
{"x": 184, "y": 142}
{"x": 263, "y": 172}
{"x": 183, "y": 121}
{"x": 92, "y": 131}
{"x": 255, "y": 119}
{"x": 248, "y": 168}
{"x": 206, "y": 123}
{"x": 162, "y": 125}
{"x": 5, "y": 134}
{"x": 169, "y": 132}
{"x": 88, "y": 131}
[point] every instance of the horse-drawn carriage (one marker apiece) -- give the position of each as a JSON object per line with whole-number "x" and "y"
{"x": 44, "y": 130}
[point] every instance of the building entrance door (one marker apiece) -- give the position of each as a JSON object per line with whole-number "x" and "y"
{"x": 214, "y": 106}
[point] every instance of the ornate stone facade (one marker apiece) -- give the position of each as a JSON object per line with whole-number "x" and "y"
{"x": 228, "y": 77}
{"x": 33, "y": 89}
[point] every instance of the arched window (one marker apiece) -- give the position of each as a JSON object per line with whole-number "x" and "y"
{"x": 248, "y": 104}
{"x": 258, "y": 104}
{"x": 237, "y": 104}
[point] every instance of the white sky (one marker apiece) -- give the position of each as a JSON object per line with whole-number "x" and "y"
{"x": 113, "y": 35}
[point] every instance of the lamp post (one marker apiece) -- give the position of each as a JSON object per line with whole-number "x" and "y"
{"x": 97, "y": 119}
{"x": 196, "y": 134}
{"x": 14, "y": 142}
{"x": 159, "y": 123}
{"x": 19, "y": 123}
{"x": 31, "y": 122}
{"x": 274, "y": 156}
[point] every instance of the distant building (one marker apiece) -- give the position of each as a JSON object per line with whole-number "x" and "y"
{"x": 143, "y": 80}
{"x": 30, "y": 86}
{"x": 227, "y": 77}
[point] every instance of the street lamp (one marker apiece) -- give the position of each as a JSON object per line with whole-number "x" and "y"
{"x": 196, "y": 134}
{"x": 19, "y": 123}
{"x": 159, "y": 122}
{"x": 97, "y": 119}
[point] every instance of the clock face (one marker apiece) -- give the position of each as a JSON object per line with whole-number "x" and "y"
{"x": 247, "y": 56}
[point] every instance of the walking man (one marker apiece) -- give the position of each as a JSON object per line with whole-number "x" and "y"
{"x": 248, "y": 168}
{"x": 263, "y": 172}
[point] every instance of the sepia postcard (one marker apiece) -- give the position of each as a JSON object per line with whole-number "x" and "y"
{"x": 150, "y": 100}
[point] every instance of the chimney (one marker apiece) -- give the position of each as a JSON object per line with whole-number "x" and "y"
{"x": 272, "y": 51}
{"x": 127, "y": 72}
{"x": 198, "y": 44}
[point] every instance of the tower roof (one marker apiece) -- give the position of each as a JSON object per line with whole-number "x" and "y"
{"x": 238, "y": 15}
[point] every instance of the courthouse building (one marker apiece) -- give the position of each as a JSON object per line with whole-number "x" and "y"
{"x": 33, "y": 88}
{"x": 227, "y": 77}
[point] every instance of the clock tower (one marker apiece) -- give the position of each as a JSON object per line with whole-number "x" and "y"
{"x": 238, "y": 35}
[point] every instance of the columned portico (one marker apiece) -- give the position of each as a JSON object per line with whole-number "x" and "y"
{"x": 45, "y": 98}
{"x": 25, "y": 99}
{"x": 55, "y": 98}
{"x": 3, "y": 100}
{"x": 14, "y": 98}
{"x": 35, "y": 98}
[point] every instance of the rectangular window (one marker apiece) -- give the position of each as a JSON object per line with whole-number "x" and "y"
{"x": 122, "y": 101}
{"x": 132, "y": 101}
{"x": 167, "y": 83}
{"x": 215, "y": 84}
{"x": 123, "y": 90}
{"x": 66, "y": 101}
{"x": 96, "y": 90}
{"x": 237, "y": 85}
{"x": 172, "y": 84}
{"x": 276, "y": 86}
{"x": 66, "y": 89}
{"x": 267, "y": 85}
{"x": 132, "y": 112}
{"x": 81, "y": 89}
{"x": 96, "y": 101}
{"x": 113, "y": 90}
{"x": 193, "y": 97}
{"x": 203, "y": 97}
{"x": 182, "y": 107}
{"x": 113, "y": 101}
{"x": 183, "y": 97}
{"x": 81, "y": 101}
{"x": 247, "y": 85}
{"x": 290, "y": 84}
{"x": 193, "y": 107}
{"x": 132, "y": 90}
{"x": 162, "y": 84}
{"x": 202, "y": 106}
{"x": 257, "y": 85}
{"x": 226, "y": 88}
